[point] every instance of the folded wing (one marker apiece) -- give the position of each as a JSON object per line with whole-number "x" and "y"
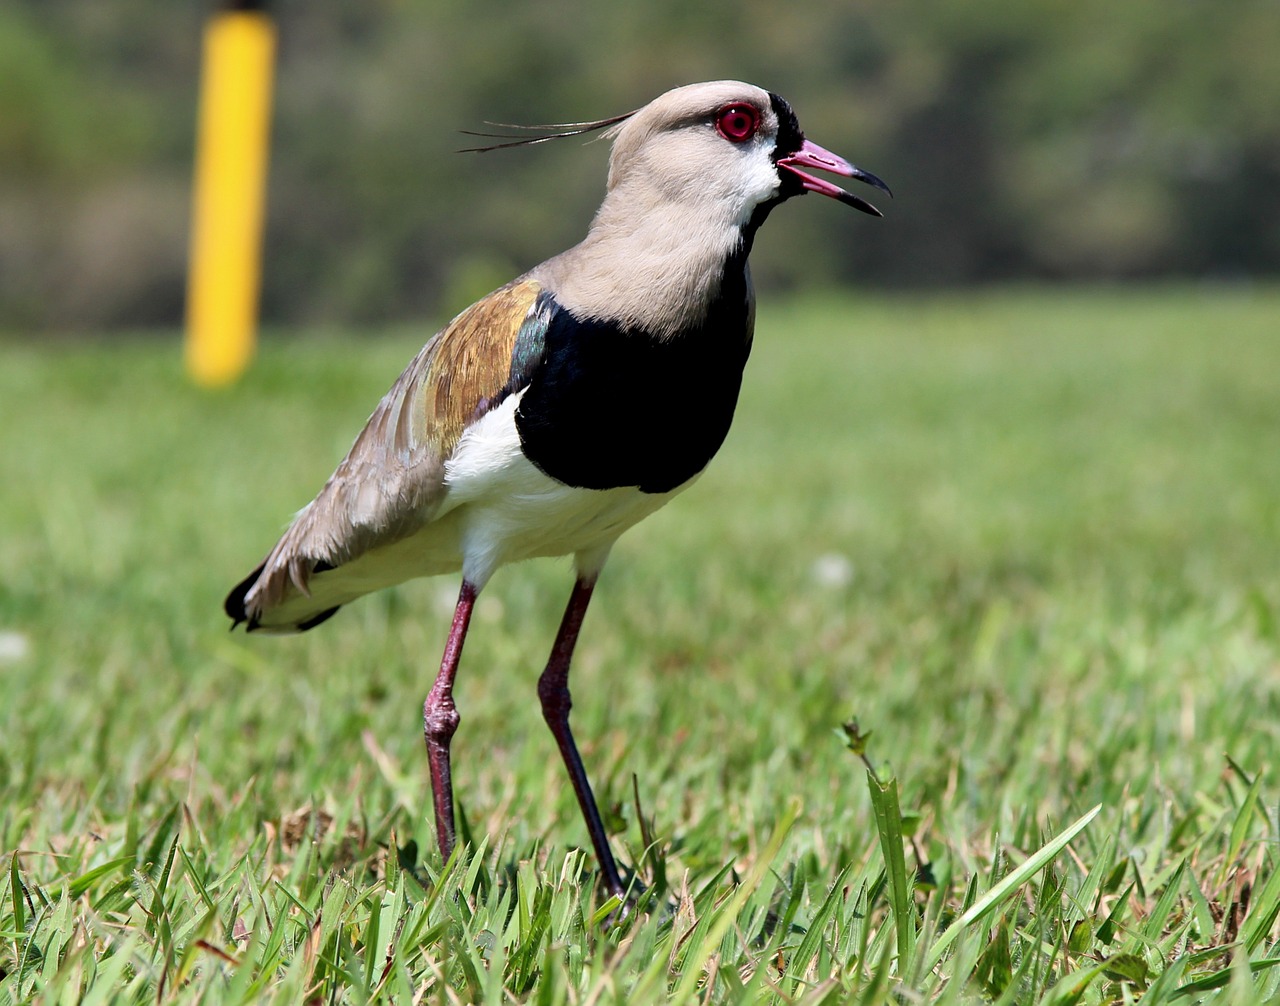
{"x": 391, "y": 483}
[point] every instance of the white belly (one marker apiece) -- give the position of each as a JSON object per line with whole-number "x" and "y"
{"x": 503, "y": 509}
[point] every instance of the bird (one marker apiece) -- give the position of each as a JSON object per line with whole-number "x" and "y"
{"x": 565, "y": 407}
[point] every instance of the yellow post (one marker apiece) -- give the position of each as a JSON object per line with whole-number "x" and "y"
{"x": 224, "y": 274}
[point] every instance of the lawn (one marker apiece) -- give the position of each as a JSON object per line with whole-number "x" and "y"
{"x": 1028, "y": 540}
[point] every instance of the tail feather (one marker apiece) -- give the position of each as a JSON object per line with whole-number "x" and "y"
{"x": 324, "y": 616}
{"x": 239, "y": 613}
{"x": 234, "y": 604}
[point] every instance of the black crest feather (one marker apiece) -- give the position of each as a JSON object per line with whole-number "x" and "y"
{"x": 546, "y": 131}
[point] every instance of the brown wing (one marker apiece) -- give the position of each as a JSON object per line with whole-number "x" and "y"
{"x": 391, "y": 482}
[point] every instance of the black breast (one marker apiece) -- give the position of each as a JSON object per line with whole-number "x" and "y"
{"x": 611, "y": 407}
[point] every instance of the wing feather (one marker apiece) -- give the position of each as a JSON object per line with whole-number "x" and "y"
{"x": 391, "y": 483}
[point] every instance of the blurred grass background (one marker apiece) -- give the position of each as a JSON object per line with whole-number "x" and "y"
{"x": 1027, "y": 538}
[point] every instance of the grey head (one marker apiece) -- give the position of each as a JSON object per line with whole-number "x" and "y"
{"x": 692, "y": 175}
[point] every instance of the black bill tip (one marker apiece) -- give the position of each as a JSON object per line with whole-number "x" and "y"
{"x": 870, "y": 179}
{"x": 858, "y": 203}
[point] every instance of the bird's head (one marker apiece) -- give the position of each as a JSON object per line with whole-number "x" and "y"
{"x": 725, "y": 143}
{"x": 692, "y": 175}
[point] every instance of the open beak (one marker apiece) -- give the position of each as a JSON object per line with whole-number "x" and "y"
{"x": 810, "y": 155}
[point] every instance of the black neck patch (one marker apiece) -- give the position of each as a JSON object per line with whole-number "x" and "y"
{"x": 610, "y": 407}
{"x": 790, "y": 135}
{"x": 790, "y": 139}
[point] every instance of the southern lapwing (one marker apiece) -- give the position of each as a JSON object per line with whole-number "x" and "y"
{"x": 565, "y": 407}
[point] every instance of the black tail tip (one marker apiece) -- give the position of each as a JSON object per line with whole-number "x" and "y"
{"x": 234, "y": 604}
{"x": 235, "y": 608}
{"x": 324, "y": 616}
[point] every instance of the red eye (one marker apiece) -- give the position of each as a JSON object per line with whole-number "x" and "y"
{"x": 737, "y": 123}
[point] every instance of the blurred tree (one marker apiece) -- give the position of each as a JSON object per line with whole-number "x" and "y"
{"x": 1025, "y": 139}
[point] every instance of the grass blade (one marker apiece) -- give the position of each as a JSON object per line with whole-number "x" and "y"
{"x": 1263, "y": 913}
{"x": 992, "y": 900}
{"x": 888, "y": 811}
{"x": 18, "y": 893}
{"x": 695, "y": 961}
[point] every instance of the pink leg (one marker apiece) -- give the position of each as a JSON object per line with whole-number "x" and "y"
{"x": 553, "y": 690}
{"x": 440, "y": 720}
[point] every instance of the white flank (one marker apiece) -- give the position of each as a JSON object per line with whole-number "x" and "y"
{"x": 508, "y": 510}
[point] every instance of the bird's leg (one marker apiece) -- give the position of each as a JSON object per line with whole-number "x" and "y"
{"x": 440, "y": 720}
{"x": 553, "y": 690}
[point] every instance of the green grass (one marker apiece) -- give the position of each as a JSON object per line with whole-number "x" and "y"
{"x": 1029, "y": 540}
